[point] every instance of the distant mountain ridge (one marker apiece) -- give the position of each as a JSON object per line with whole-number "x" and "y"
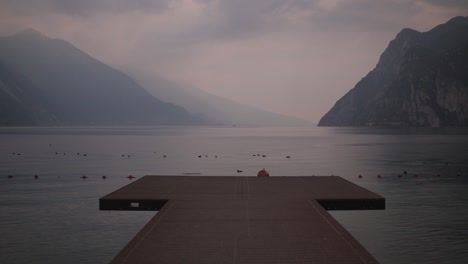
{"x": 214, "y": 109}
{"x": 421, "y": 79}
{"x": 46, "y": 81}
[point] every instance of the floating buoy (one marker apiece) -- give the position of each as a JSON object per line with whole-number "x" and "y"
{"x": 36, "y": 177}
{"x": 378, "y": 176}
{"x": 359, "y": 176}
{"x": 446, "y": 163}
{"x": 459, "y": 174}
{"x": 164, "y": 156}
{"x": 239, "y": 171}
{"x": 84, "y": 177}
{"x": 263, "y": 173}
{"x": 399, "y": 176}
{"x": 104, "y": 177}
{"x": 10, "y": 177}
{"x": 264, "y": 156}
{"x": 416, "y": 175}
{"x": 199, "y": 156}
{"x": 130, "y": 177}
{"x": 216, "y": 156}
{"x": 438, "y": 174}
{"x": 288, "y": 157}
{"x": 84, "y": 155}
{"x": 405, "y": 172}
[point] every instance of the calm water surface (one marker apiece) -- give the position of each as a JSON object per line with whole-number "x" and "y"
{"x": 55, "y": 219}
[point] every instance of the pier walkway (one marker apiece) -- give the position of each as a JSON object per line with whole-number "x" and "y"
{"x": 209, "y": 219}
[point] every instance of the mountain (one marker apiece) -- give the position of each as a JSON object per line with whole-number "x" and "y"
{"x": 420, "y": 80}
{"x": 214, "y": 109}
{"x": 46, "y": 81}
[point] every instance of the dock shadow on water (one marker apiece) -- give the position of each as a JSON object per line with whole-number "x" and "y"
{"x": 56, "y": 219}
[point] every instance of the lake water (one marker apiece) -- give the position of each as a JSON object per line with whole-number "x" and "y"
{"x": 55, "y": 219}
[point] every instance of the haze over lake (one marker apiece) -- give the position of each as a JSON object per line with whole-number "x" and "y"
{"x": 55, "y": 219}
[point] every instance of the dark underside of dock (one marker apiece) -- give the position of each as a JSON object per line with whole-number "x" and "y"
{"x": 208, "y": 219}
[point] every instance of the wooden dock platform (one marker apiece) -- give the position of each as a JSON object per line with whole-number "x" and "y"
{"x": 209, "y": 219}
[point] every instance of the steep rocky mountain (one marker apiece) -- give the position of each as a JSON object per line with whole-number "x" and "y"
{"x": 421, "y": 79}
{"x": 46, "y": 81}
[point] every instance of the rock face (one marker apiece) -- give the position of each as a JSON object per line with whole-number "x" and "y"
{"x": 421, "y": 79}
{"x": 46, "y": 81}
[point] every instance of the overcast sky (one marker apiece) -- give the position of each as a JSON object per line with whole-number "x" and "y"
{"x": 295, "y": 57}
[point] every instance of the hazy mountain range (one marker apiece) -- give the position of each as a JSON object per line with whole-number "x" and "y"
{"x": 45, "y": 81}
{"x": 421, "y": 79}
{"x": 215, "y": 109}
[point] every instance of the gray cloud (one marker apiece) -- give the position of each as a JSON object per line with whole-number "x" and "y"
{"x": 449, "y": 3}
{"x": 92, "y": 6}
{"x": 84, "y": 7}
{"x": 246, "y": 18}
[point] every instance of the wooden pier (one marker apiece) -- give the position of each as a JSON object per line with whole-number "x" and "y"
{"x": 209, "y": 219}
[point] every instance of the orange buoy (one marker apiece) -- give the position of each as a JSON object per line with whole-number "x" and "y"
{"x": 263, "y": 173}
{"x": 104, "y": 177}
{"x": 84, "y": 177}
{"x": 130, "y": 177}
